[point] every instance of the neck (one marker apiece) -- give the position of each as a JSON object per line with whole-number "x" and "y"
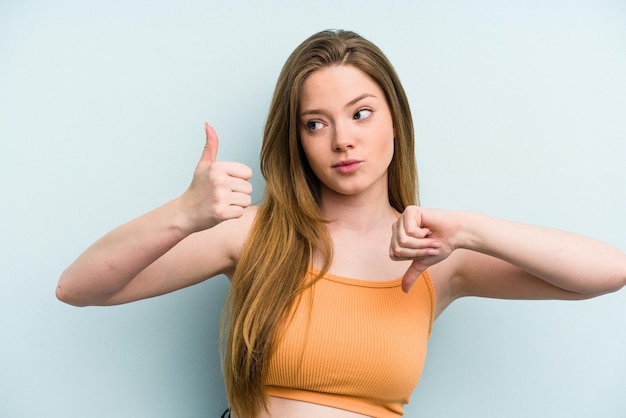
{"x": 358, "y": 213}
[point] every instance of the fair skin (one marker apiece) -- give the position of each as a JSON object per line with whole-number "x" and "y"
{"x": 347, "y": 134}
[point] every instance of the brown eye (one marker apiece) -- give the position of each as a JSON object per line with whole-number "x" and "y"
{"x": 313, "y": 125}
{"x": 362, "y": 114}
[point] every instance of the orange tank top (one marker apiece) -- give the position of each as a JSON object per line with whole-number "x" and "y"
{"x": 355, "y": 345}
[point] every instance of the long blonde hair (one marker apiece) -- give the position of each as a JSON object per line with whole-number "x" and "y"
{"x": 289, "y": 226}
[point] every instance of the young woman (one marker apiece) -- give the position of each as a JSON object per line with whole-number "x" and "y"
{"x": 338, "y": 274}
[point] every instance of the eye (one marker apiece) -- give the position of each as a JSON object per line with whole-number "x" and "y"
{"x": 362, "y": 114}
{"x": 314, "y": 125}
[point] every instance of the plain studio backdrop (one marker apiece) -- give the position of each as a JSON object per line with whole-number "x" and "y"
{"x": 520, "y": 113}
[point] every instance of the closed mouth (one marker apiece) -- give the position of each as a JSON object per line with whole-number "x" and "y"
{"x": 345, "y": 163}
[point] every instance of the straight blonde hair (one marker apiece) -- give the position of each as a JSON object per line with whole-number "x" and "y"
{"x": 289, "y": 227}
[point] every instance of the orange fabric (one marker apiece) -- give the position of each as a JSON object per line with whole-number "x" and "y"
{"x": 355, "y": 345}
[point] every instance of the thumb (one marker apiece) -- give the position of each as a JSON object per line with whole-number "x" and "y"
{"x": 210, "y": 148}
{"x": 411, "y": 275}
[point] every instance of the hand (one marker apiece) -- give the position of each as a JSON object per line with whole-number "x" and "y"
{"x": 424, "y": 236}
{"x": 219, "y": 190}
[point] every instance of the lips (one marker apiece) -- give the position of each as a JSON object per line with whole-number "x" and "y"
{"x": 347, "y": 166}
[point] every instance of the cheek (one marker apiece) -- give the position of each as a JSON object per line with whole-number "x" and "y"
{"x": 390, "y": 152}
{"x": 310, "y": 154}
{"x": 306, "y": 150}
{"x": 387, "y": 147}
{"x": 387, "y": 133}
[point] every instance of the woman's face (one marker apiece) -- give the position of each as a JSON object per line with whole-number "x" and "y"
{"x": 346, "y": 131}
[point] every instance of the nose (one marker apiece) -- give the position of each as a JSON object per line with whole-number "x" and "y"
{"x": 343, "y": 138}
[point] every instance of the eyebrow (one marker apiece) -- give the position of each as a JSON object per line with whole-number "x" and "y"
{"x": 350, "y": 103}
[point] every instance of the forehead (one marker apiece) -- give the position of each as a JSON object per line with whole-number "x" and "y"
{"x": 336, "y": 86}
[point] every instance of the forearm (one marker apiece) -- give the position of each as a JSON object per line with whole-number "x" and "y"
{"x": 572, "y": 262}
{"x": 139, "y": 251}
{"x": 115, "y": 259}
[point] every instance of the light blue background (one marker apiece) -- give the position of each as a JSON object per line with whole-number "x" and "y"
{"x": 520, "y": 112}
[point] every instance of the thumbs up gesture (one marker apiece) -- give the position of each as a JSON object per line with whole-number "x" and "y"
{"x": 219, "y": 190}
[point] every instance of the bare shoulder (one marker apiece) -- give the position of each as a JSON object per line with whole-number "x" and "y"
{"x": 227, "y": 239}
{"x": 446, "y": 281}
{"x": 240, "y": 230}
{"x": 469, "y": 273}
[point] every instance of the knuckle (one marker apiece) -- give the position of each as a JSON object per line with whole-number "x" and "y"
{"x": 220, "y": 213}
{"x": 403, "y": 241}
{"x": 395, "y": 251}
{"x": 414, "y": 231}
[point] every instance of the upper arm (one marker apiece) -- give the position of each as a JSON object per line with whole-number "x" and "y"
{"x": 469, "y": 273}
{"x": 196, "y": 258}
